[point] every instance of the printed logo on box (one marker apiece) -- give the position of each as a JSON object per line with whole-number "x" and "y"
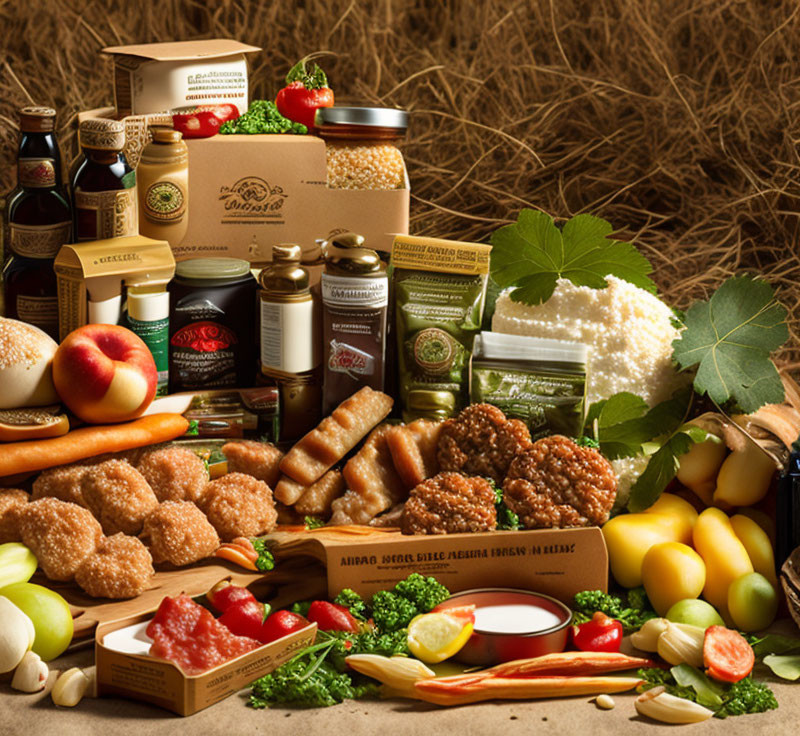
{"x": 252, "y": 199}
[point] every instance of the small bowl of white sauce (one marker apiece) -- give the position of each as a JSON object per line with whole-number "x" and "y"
{"x": 511, "y": 624}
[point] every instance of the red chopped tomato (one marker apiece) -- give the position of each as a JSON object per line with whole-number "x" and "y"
{"x": 463, "y": 613}
{"x": 188, "y": 635}
{"x": 727, "y": 655}
{"x": 332, "y": 617}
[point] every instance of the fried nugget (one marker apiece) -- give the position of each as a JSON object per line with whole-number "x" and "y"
{"x": 259, "y": 459}
{"x": 413, "y": 447}
{"x": 238, "y": 505}
{"x": 118, "y": 495}
{"x": 174, "y": 473}
{"x": 12, "y": 503}
{"x": 372, "y": 482}
{"x": 557, "y": 483}
{"x": 450, "y": 503}
{"x": 121, "y": 567}
{"x": 481, "y": 441}
{"x": 63, "y": 482}
{"x": 318, "y": 497}
{"x": 178, "y": 532}
{"x": 61, "y": 535}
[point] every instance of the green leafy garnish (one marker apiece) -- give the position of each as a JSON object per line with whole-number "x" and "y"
{"x": 315, "y": 79}
{"x": 262, "y": 117}
{"x": 729, "y": 338}
{"x": 506, "y": 518}
{"x": 632, "y": 611}
{"x": 265, "y": 561}
{"x": 313, "y": 522}
{"x": 532, "y": 254}
{"x": 775, "y": 644}
{"x": 736, "y": 699}
{"x": 624, "y": 424}
{"x": 354, "y": 603}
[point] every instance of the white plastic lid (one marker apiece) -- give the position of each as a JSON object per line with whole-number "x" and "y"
{"x": 501, "y": 346}
{"x": 148, "y": 307}
{"x": 105, "y": 311}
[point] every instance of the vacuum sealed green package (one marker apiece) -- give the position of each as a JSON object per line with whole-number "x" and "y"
{"x": 439, "y": 289}
{"x": 540, "y": 381}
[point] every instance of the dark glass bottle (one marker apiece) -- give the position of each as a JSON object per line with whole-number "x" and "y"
{"x": 104, "y": 186}
{"x": 39, "y": 222}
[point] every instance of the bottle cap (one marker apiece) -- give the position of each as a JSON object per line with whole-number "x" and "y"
{"x": 431, "y": 401}
{"x": 285, "y": 276}
{"x": 102, "y": 134}
{"x": 212, "y": 269}
{"x": 148, "y": 306}
{"x": 105, "y": 311}
{"x": 361, "y": 122}
{"x": 37, "y": 119}
{"x": 345, "y": 254}
{"x": 163, "y": 134}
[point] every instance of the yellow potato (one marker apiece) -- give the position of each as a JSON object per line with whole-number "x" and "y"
{"x": 724, "y": 555}
{"x": 758, "y": 546}
{"x": 699, "y": 467}
{"x": 672, "y": 572}
{"x": 745, "y": 477}
{"x": 764, "y": 520}
{"x": 669, "y": 504}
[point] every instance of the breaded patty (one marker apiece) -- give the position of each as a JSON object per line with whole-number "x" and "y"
{"x": 238, "y": 505}
{"x": 557, "y": 483}
{"x": 450, "y": 503}
{"x": 119, "y": 496}
{"x": 121, "y": 567}
{"x": 63, "y": 482}
{"x": 178, "y": 532}
{"x": 481, "y": 441}
{"x": 259, "y": 459}
{"x": 174, "y": 473}
{"x": 12, "y": 503}
{"x": 61, "y": 535}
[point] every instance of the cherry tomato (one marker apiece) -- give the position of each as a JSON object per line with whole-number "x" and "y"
{"x": 332, "y": 617}
{"x": 224, "y": 595}
{"x": 280, "y": 624}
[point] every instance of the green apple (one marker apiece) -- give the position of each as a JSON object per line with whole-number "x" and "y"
{"x": 752, "y": 602}
{"x": 17, "y": 563}
{"x": 695, "y": 612}
{"x": 52, "y": 619}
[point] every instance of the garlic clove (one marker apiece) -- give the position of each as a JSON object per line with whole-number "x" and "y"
{"x": 15, "y": 635}
{"x": 31, "y": 674}
{"x": 682, "y": 644}
{"x": 70, "y": 688}
{"x": 646, "y": 638}
{"x": 661, "y": 706}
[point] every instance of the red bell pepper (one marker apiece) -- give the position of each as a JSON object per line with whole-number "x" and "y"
{"x": 225, "y": 595}
{"x": 203, "y": 121}
{"x": 303, "y": 94}
{"x": 600, "y": 634}
{"x": 332, "y": 617}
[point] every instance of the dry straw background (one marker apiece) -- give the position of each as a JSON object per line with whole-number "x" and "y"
{"x": 676, "y": 120}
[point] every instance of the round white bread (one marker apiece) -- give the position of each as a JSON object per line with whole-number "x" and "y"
{"x": 26, "y": 366}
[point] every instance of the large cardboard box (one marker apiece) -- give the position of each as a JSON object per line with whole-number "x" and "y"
{"x": 248, "y": 193}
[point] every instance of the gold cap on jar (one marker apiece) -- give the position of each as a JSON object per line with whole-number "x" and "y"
{"x": 345, "y": 253}
{"x": 37, "y": 119}
{"x": 285, "y": 278}
{"x": 102, "y": 134}
{"x": 163, "y": 134}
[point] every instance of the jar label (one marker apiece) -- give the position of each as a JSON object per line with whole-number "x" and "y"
{"x": 347, "y": 291}
{"x": 202, "y": 355}
{"x": 348, "y": 359}
{"x": 101, "y": 215}
{"x": 288, "y": 334}
{"x": 36, "y": 173}
{"x": 40, "y": 311}
{"x": 165, "y": 202}
{"x": 38, "y": 241}
{"x": 155, "y": 335}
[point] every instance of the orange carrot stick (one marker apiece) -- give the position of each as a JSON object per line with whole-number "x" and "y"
{"x": 234, "y": 555}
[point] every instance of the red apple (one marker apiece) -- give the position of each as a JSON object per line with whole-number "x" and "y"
{"x": 104, "y": 374}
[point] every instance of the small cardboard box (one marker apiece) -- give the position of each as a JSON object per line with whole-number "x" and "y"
{"x": 155, "y": 77}
{"x": 250, "y": 192}
{"x": 162, "y": 683}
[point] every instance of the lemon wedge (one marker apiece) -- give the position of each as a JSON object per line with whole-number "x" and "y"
{"x": 434, "y": 637}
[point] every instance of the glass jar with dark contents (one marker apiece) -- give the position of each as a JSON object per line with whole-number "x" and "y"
{"x": 212, "y": 341}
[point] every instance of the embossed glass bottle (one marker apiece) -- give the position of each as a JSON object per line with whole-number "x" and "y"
{"x": 163, "y": 184}
{"x": 104, "y": 187}
{"x": 39, "y": 222}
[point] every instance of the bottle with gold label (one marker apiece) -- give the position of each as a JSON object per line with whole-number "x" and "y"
{"x": 163, "y": 185}
{"x": 39, "y": 222}
{"x": 104, "y": 186}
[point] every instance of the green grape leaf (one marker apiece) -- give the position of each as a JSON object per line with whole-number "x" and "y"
{"x": 729, "y": 338}
{"x": 532, "y": 254}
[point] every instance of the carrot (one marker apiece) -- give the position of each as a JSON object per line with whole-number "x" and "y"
{"x": 235, "y": 554}
{"x": 502, "y": 688}
{"x": 33, "y": 455}
{"x": 570, "y": 663}
{"x": 727, "y": 655}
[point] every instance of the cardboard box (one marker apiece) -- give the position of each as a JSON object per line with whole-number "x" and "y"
{"x": 249, "y": 193}
{"x": 155, "y": 77}
{"x": 162, "y": 683}
{"x": 557, "y": 562}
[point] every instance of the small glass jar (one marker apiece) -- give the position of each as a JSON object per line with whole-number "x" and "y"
{"x": 212, "y": 341}
{"x": 360, "y": 146}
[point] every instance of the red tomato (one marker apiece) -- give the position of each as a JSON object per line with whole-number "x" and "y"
{"x": 727, "y": 655}
{"x": 600, "y": 634}
{"x": 332, "y": 617}
{"x": 280, "y": 624}
{"x": 245, "y": 619}
{"x": 202, "y": 121}
{"x": 224, "y": 595}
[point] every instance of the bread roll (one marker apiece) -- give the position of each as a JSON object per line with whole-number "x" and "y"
{"x": 26, "y": 366}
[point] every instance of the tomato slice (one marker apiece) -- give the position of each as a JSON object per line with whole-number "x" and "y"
{"x": 465, "y": 613}
{"x": 727, "y": 655}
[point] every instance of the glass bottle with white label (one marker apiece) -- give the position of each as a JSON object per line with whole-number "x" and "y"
{"x": 104, "y": 187}
{"x": 39, "y": 222}
{"x": 355, "y": 298}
